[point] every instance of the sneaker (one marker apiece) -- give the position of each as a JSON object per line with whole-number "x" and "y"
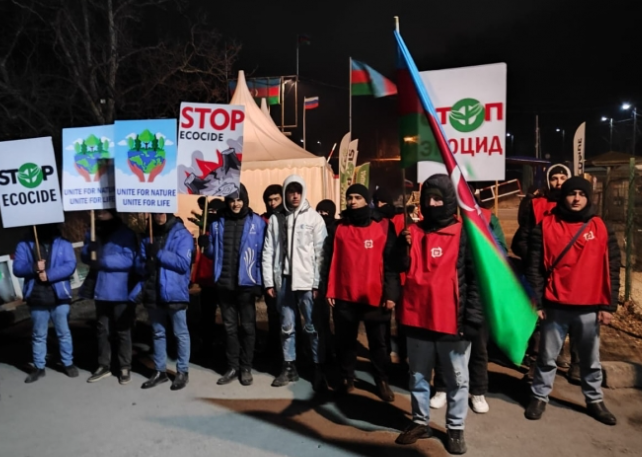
{"x": 35, "y": 375}
{"x": 438, "y": 401}
{"x": 157, "y": 378}
{"x": 229, "y": 376}
{"x": 456, "y": 444}
{"x": 100, "y": 373}
{"x": 71, "y": 371}
{"x": 288, "y": 375}
{"x": 535, "y": 409}
{"x": 413, "y": 433}
{"x": 479, "y": 404}
{"x": 246, "y": 377}
{"x": 384, "y": 391}
{"x": 599, "y": 412}
{"x": 125, "y": 376}
{"x": 180, "y": 381}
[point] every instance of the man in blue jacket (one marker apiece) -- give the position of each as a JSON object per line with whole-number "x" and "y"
{"x": 235, "y": 243}
{"x": 47, "y": 292}
{"x": 165, "y": 263}
{"x": 111, "y": 261}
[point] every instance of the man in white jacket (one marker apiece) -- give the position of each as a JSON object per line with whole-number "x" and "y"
{"x": 291, "y": 269}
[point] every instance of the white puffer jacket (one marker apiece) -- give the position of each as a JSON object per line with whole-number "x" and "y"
{"x": 309, "y": 232}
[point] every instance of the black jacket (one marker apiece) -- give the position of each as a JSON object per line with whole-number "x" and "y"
{"x": 536, "y": 275}
{"x": 527, "y": 222}
{"x": 231, "y": 244}
{"x": 391, "y": 284}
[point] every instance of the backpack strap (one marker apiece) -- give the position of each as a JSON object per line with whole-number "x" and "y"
{"x": 568, "y": 246}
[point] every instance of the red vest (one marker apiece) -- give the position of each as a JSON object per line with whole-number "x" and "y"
{"x": 582, "y": 276}
{"x": 356, "y": 271}
{"x": 430, "y": 298}
{"x": 541, "y": 208}
{"x": 398, "y": 221}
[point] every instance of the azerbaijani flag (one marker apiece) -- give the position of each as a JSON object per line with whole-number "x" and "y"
{"x": 268, "y": 88}
{"x": 311, "y": 103}
{"x": 366, "y": 81}
{"x": 509, "y": 313}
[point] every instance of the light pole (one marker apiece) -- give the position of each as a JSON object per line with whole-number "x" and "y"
{"x": 563, "y": 135}
{"x": 626, "y": 107}
{"x": 610, "y": 119}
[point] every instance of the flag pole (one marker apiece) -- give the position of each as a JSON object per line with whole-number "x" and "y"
{"x": 305, "y": 113}
{"x": 350, "y": 95}
{"x": 297, "y": 57}
{"x": 403, "y": 169}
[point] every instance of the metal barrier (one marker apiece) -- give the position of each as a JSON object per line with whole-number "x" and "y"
{"x": 503, "y": 189}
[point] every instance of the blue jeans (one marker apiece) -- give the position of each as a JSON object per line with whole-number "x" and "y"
{"x": 158, "y": 317}
{"x": 453, "y": 357}
{"x": 287, "y": 303}
{"x": 586, "y": 332}
{"x": 41, "y": 315}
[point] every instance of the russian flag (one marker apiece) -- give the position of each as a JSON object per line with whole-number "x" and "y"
{"x": 311, "y": 103}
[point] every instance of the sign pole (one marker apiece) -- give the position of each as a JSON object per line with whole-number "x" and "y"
{"x": 204, "y": 228}
{"x": 35, "y": 235}
{"x": 151, "y": 232}
{"x": 92, "y": 231}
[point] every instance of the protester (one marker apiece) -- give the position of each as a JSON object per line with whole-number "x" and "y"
{"x": 235, "y": 243}
{"x": 573, "y": 266}
{"x": 357, "y": 251}
{"x": 384, "y": 204}
{"x": 328, "y": 210}
{"x": 109, "y": 283}
{"x": 273, "y": 199}
{"x": 47, "y": 267}
{"x": 440, "y": 311}
{"x": 291, "y": 266}
{"x": 165, "y": 263}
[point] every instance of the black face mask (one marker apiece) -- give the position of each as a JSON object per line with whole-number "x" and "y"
{"x": 566, "y": 214}
{"x": 359, "y": 216}
{"x": 436, "y": 216}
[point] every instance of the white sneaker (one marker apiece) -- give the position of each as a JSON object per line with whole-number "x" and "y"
{"x": 480, "y": 406}
{"x": 438, "y": 401}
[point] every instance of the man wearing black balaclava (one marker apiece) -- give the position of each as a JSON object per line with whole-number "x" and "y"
{"x": 361, "y": 284}
{"x": 328, "y": 210}
{"x": 440, "y": 310}
{"x": 234, "y": 244}
{"x": 165, "y": 263}
{"x": 574, "y": 270}
{"x": 273, "y": 199}
{"x": 111, "y": 260}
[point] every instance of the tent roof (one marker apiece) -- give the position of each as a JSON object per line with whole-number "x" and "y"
{"x": 263, "y": 142}
{"x": 611, "y": 159}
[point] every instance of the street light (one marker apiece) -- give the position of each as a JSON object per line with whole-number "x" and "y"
{"x": 625, "y": 107}
{"x": 563, "y": 135}
{"x": 610, "y": 119}
{"x": 512, "y": 141}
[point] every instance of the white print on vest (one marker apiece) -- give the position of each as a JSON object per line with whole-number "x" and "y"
{"x": 436, "y": 252}
{"x": 589, "y": 236}
{"x": 368, "y": 244}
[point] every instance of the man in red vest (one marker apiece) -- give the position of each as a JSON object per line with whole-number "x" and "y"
{"x": 362, "y": 285}
{"x": 573, "y": 267}
{"x": 440, "y": 311}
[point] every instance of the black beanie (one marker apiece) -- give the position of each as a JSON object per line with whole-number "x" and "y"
{"x": 359, "y": 189}
{"x": 576, "y": 183}
{"x": 273, "y": 189}
{"x": 327, "y": 206}
{"x": 558, "y": 170}
{"x": 382, "y": 195}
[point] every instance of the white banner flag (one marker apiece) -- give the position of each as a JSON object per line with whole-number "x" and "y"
{"x": 579, "y": 144}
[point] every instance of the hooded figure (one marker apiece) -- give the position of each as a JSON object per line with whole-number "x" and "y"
{"x": 292, "y": 258}
{"x": 328, "y": 210}
{"x": 534, "y": 207}
{"x": 440, "y": 310}
{"x": 234, "y": 244}
{"x": 574, "y": 270}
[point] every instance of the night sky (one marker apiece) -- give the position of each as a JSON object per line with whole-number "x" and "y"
{"x": 567, "y": 61}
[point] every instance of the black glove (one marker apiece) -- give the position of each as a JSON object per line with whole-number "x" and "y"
{"x": 152, "y": 250}
{"x": 471, "y": 331}
{"x": 203, "y": 241}
{"x": 93, "y": 246}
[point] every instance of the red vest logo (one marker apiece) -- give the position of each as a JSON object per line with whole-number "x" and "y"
{"x": 368, "y": 244}
{"x": 589, "y": 236}
{"x": 436, "y": 252}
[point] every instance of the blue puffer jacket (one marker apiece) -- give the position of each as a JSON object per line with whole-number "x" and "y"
{"x": 59, "y": 270}
{"x": 175, "y": 261}
{"x": 115, "y": 264}
{"x": 249, "y": 251}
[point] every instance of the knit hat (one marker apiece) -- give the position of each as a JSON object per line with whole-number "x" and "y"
{"x": 327, "y": 206}
{"x": 359, "y": 189}
{"x": 576, "y": 183}
{"x": 382, "y": 195}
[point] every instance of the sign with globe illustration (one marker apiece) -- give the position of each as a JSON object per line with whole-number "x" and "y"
{"x": 88, "y": 174}
{"x": 145, "y": 166}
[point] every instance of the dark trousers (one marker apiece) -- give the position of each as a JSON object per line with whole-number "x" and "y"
{"x": 120, "y": 317}
{"x": 274, "y": 326}
{"x": 238, "y": 309}
{"x": 477, "y": 366}
{"x": 208, "y": 316}
{"x": 347, "y": 317}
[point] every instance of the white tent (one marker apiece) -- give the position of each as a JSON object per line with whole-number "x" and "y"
{"x": 269, "y": 157}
